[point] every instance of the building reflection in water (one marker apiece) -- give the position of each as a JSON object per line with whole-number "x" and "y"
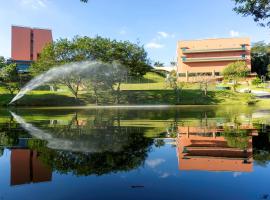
{"x": 27, "y": 168}
{"x": 207, "y": 149}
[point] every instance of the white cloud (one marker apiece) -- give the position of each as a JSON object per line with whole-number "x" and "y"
{"x": 155, "y": 162}
{"x": 234, "y": 33}
{"x": 154, "y": 45}
{"x": 162, "y": 34}
{"x": 34, "y": 4}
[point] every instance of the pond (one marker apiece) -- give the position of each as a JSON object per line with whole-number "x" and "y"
{"x": 135, "y": 153}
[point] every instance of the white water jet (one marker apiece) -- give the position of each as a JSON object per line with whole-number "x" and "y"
{"x": 55, "y": 73}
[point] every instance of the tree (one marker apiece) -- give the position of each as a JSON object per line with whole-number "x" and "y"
{"x": 259, "y": 9}
{"x": 132, "y": 56}
{"x": 131, "y": 59}
{"x": 260, "y": 58}
{"x": 55, "y": 54}
{"x": 204, "y": 80}
{"x": 9, "y": 78}
{"x": 2, "y": 62}
{"x": 235, "y": 71}
{"x": 268, "y": 70}
{"x": 172, "y": 81}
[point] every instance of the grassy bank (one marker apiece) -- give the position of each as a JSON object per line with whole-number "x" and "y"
{"x": 150, "y": 90}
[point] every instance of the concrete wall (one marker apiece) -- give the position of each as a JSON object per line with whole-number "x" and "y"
{"x": 41, "y": 39}
{"x": 20, "y": 43}
{"x": 27, "y": 43}
{"x": 217, "y": 66}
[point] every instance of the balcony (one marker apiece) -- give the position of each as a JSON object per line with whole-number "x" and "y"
{"x": 213, "y": 59}
{"x": 191, "y": 51}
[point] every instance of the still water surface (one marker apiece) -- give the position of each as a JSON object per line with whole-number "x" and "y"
{"x": 142, "y": 153}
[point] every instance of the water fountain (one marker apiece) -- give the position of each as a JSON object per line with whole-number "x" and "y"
{"x": 77, "y": 68}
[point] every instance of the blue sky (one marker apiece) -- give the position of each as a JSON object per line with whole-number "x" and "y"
{"x": 157, "y": 24}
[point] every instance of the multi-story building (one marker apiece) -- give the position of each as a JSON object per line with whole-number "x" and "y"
{"x": 211, "y": 56}
{"x": 26, "y": 45}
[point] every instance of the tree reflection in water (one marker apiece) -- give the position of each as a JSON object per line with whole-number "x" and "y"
{"x": 120, "y": 141}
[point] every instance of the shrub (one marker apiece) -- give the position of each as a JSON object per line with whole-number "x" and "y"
{"x": 256, "y": 81}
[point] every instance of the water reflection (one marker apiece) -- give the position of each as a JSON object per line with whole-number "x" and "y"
{"x": 118, "y": 143}
{"x": 27, "y": 168}
{"x": 222, "y": 148}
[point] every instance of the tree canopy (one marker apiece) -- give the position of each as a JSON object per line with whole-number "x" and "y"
{"x": 235, "y": 71}
{"x": 132, "y": 56}
{"x": 258, "y": 9}
{"x": 9, "y": 77}
{"x": 260, "y": 58}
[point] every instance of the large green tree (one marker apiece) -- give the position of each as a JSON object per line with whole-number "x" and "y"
{"x": 131, "y": 58}
{"x": 258, "y": 9}
{"x": 260, "y": 58}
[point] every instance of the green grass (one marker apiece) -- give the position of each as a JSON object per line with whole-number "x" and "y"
{"x": 151, "y": 89}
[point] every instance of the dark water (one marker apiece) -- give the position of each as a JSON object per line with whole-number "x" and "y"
{"x": 143, "y": 153}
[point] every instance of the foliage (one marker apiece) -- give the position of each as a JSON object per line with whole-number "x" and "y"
{"x": 132, "y": 56}
{"x": 259, "y": 9}
{"x": 260, "y": 58}
{"x": 2, "y": 62}
{"x": 235, "y": 71}
{"x": 9, "y": 78}
{"x": 104, "y": 78}
{"x": 177, "y": 86}
{"x": 236, "y": 137}
{"x": 256, "y": 81}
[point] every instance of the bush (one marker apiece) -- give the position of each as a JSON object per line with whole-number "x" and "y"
{"x": 256, "y": 81}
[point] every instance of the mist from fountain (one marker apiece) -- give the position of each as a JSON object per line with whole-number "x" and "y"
{"x": 79, "y": 68}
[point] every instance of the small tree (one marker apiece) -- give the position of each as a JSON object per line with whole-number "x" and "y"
{"x": 235, "y": 71}
{"x": 256, "y": 81}
{"x": 204, "y": 80}
{"x": 10, "y": 78}
{"x": 172, "y": 82}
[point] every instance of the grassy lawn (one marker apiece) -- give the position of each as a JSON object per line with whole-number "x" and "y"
{"x": 149, "y": 90}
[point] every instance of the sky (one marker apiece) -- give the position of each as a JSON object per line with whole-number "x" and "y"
{"x": 156, "y": 24}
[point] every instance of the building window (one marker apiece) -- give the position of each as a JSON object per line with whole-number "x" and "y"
{"x": 184, "y": 58}
{"x": 184, "y": 48}
{"x": 243, "y": 46}
{"x": 243, "y": 56}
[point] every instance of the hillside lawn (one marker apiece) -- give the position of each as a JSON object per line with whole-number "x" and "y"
{"x": 150, "y": 90}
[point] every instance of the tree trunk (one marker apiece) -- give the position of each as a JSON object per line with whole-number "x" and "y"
{"x": 118, "y": 93}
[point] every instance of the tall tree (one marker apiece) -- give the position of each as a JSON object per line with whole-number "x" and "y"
{"x": 131, "y": 58}
{"x": 258, "y": 9}
{"x": 260, "y": 58}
